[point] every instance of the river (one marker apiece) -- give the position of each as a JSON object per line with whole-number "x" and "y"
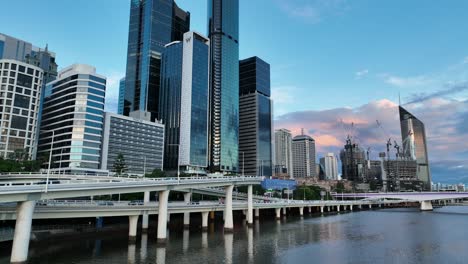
{"x": 378, "y": 236}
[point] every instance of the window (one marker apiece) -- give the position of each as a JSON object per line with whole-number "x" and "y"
{"x": 24, "y": 80}
{"x": 21, "y": 101}
{"x": 19, "y": 122}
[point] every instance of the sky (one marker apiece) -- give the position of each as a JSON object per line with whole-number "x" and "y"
{"x": 333, "y": 63}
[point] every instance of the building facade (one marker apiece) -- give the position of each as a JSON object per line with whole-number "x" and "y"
{"x": 329, "y": 163}
{"x": 20, "y": 95}
{"x": 141, "y": 142}
{"x": 223, "y": 30}
{"x": 255, "y": 118}
{"x": 120, "y": 105}
{"x": 72, "y": 119}
{"x": 413, "y": 135}
{"x": 153, "y": 24}
{"x": 283, "y": 153}
{"x": 184, "y": 104}
{"x": 303, "y": 153}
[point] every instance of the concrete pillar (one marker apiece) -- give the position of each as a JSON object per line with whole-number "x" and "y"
{"x": 163, "y": 216}
{"x": 328, "y": 208}
{"x": 284, "y": 211}
{"x": 132, "y": 228}
{"x": 249, "y": 206}
{"x": 187, "y": 197}
{"x": 380, "y": 205}
{"x": 212, "y": 215}
{"x": 445, "y": 202}
{"x": 228, "y": 221}
{"x": 370, "y": 206}
{"x": 257, "y": 213}
{"x": 301, "y": 211}
{"x": 426, "y": 206}
{"x": 205, "y": 221}
{"x": 351, "y": 207}
{"x": 337, "y": 208}
{"x": 321, "y": 209}
{"x": 278, "y": 213}
{"x": 360, "y": 207}
{"x": 145, "y": 218}
{"x": 24, "y": 213}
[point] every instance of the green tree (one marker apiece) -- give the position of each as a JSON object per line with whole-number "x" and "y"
{"x": 119, "y": 164}
{"x": 156, "y": 173}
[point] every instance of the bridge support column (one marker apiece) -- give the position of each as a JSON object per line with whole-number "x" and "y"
{"x": 321, "y": 209}
{"x": 132, "y": 228}
{"x": 187, "y": 197}
{"x": 337, "y": 208}
{"x": 301, "y": 211}
{"x": 145, "y": 218}
{"x": 24, "y": 213}
{"x": 360, "y": 207}
{"x": 284, "y": 211}
{"x": 205, "y": 221}
{"x": 351, "y": 207}
{"x": 257, "y": 213}
{"x": 278, "y": 213}
{"x": 370, "y": 206}
{"x": 228, "y": 220}
{"x": 250, "y": 205}
{"x": 163, "y": 216}
{"x": 426, "y": 206}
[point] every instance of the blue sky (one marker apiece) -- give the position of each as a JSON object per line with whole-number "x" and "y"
{"x": 325, "y": 55}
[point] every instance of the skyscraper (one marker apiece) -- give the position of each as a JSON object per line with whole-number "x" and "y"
{"x": 413, "y": 135}
{"x": 330, "y": 166}
{"x": 20, "y": 93}
{"x": 283, "y": 153}
{"x": 72, "y": 119}
{"x": 223, "y": 30}
{"x": 185, "y": 103}
{"x": 352, "y": 162}
{"x": 153, "y": 24}
{"x": 255, "y": 118}
{"x": 303, "y": 152}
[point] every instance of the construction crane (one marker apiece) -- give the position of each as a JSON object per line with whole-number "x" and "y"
{"x": 397, "y": 147}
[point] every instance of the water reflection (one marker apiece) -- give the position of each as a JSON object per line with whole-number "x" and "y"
{"x": 386, "y": 236}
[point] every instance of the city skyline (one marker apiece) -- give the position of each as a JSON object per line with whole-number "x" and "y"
{"x": 438, "y": 84}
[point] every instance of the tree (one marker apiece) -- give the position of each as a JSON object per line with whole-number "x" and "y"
{"x": 119, "y": 164}
{"x": 156, "y": 173}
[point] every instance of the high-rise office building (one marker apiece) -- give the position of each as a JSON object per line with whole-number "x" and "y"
{"x": 20, "y": 93}
{"x": 255, "y": 118}
{"x": 153, "y": 24}
{"x": 20, "y": 50}
{"x": 303, "y": 153}
{"x": 223, "y": 30}
{"x": 72, "y": 119}
{"x": 413, "y": 135}
{"x": 120, "y": 105}
{"x": 283, "y": 153}
{"x": 185, "y": 103}
{"x": 329, "y": 164}
{"x": 132, "y": 137}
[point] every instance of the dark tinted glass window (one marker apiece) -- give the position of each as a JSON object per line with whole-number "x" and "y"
{"x": 19, "y": 122}
{"x": 24, "y": 80}
{"x": 21, "y": 101}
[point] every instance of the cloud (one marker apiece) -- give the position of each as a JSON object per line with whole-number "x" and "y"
{"x": 445, "y": 122}
{"x": 449, "y": 90}
{"x": 312, "y": 11}
{"x": 112, "y": 90}
{"x": 405, "y": 81}
{"x": 358, "y": 75}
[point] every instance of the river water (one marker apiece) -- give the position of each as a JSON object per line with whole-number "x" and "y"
{"x": 378, "y": 236}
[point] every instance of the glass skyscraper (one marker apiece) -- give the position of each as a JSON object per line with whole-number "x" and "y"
{"x": 223, "y": 30}
{"x": 153, "y": 24}
{"x": 413, "y": 135}
{"x": 120, "y": 105}
{"x": 72, "y": 119}
{"x": 184, "y": 104}
{"x": 255, "y": 118}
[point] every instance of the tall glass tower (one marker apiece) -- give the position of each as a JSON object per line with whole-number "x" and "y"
{"x": 413, "y": 135}
{"x": 223, "y": 30}
{"x": 153, "y": 24}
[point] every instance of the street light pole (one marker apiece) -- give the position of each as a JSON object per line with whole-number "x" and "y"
{"x": 50, "y": 158}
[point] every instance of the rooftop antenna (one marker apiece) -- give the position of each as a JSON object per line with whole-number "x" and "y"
{"x": 302, "y": 131}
